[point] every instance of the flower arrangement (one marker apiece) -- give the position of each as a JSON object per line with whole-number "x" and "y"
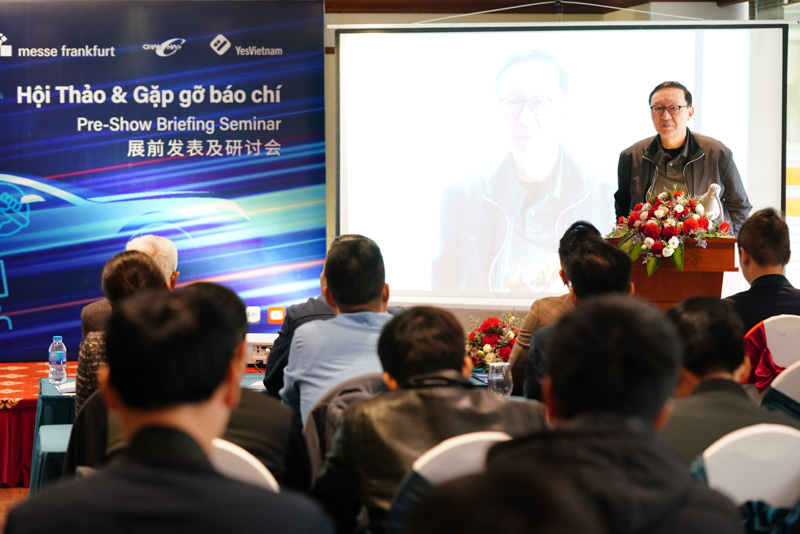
{"x": 658, "y": 228}
{"x": 492, "y": 340}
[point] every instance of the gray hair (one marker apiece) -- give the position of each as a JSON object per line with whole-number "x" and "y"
{"x": 162, "y": 250}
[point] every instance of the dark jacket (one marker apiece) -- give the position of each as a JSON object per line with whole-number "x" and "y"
{"x": 708, "y": 162}
{"x": 716, "y": 407}
{"x": 638, "y": 484}
{"x": 769, "y": 295}
{"x": 477, "y": 223}
{"x": 379, "y": 439}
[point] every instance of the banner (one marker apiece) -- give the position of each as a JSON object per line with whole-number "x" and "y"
{"x": 199, "y": 121}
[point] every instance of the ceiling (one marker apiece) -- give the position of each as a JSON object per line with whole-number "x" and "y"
{"x": 594, "y": 7}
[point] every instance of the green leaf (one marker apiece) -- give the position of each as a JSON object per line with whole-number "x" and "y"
{"x": 635, "y": 252}
{"x": 626, "y": 243}
{"x": 677, "y": 257}
{"x": 652, "y": 264}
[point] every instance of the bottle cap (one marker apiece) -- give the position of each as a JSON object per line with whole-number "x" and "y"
{"x": 56, "y": 338}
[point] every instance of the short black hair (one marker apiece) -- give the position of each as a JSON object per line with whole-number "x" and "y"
{"x": 577, "y": 233}
{"x": 712, "y": 333}
{"x": 226, "y": 297}
{"x": 129, "y": 272}
{"x": 614, "y": 354}
{"x": 421, "y": 340}
{"x": 544, "y": 502}
{"x": 671, "y": 85}
{"x": 165, "y": 349}
{"x": 599, "y": 268}
{"x": 534, "y": 55}
{"x": 354, "y": 271}
{"x": 765, "y": 236}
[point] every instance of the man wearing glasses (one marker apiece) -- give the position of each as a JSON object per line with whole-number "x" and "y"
{"x": 676, "y": 157}
{"x": 500, "y": 232}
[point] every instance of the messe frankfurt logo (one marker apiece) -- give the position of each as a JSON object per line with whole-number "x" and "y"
{"x": 167, "y": 48}
{"x": 220, "y": 44}
{"x": 5, "y": 50}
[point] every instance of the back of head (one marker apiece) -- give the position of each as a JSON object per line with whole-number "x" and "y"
{"x": 421, "y": 340}
{"x": 203, "y": 292}
{"x": 162, "y": 250}
{"x": 765, "y": 236}
{"x": 599, "y": 268}
{"x": 128, "y": 273}
{"x": 712, "y": 334}
{"x": 614, "y": 354}
{"x": 525, "y": 502}
{"x": 579, "y": 232}
{"x": 166, "y": 349}
{"x": 354, "y": 272}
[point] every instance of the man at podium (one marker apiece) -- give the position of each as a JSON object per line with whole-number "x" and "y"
{"x": 676, "y": 157}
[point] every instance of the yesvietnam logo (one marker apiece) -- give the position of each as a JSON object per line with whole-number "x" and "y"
{"x": 5, "y": 50}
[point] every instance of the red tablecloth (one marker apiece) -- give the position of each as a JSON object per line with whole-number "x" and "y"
{"x": 19, "y": 390}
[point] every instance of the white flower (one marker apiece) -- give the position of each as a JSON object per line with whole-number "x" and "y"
{"x": 680, "y": 200}
{"x": 646, "y": 206}
{"x": 667, "y": 252}
{"x": 700, "y": 209}
{"x": 663, "y": 196}
{"x": 660, "y": 213}
{"x": 510, "y": 334}
{"x": 696, "y": 216}
{"x": 674, "y": 242}
{"x": 487, "y": 348}
{"x": 648, "y": 242}
{"x": 643, "y": 216}
{"x": 679, "y": 209}
{"x": 679, "y": 226}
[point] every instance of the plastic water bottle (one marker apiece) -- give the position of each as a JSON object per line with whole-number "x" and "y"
{"x": 58, "y": 361}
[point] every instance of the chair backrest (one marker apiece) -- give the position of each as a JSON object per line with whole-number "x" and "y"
{"x": 788, "y": 382}
{"x": 783, "y": 338}
{"x": 234, "y": 462}
{"x": 454, "y": 457}
{"x": 756, "y": 463}
{"x": 457, "y": 456}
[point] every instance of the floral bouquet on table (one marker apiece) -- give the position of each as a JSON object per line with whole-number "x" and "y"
{"x": 658, "y": 228}
{"x": 493, "y": 340}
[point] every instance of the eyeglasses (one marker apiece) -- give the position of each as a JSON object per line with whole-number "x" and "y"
{"x": 539, "y": 105}
{"x": 673, "y": 110}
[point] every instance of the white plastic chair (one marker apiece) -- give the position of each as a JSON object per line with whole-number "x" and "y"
{"x": 235, "y": 462}
{"x": 783, "y": 338}
{"x": 454, "y": 457}
{"x": 788, "y": 382}
{"x": 756, "y": 463}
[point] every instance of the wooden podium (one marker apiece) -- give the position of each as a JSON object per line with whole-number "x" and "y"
{"x": 702, "y": 272}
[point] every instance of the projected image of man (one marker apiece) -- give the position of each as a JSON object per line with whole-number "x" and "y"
{"x": 676, "y": 157}
{"x": 516, "y": 216}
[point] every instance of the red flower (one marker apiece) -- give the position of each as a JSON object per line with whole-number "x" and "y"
{"x": 678, "y": 194}
{"x": 669, "y": 231}
{"x": 637, "y": 207}
{"x": 724, "y": 228}
{"x": 512, "y": 341}
{"x": 651, "y": 214}
{"x": 490, "y": 339}
{"x": 620, "y": 221}
{"x": 692, "y": 204}
{"x": 652, "y": 230}
{"x": 491, "y": 322}
{"x": 472, "y": 336}
{"x": 689, "y": 226}
{"x": 635, "y": 216}
{"x": 657, "y": 248}
{"x": 703, "y": 223}
{"x": 504, "y": 353}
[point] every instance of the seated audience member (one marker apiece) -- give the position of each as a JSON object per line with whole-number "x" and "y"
{"x": 548, "y": 310}
{"x": 430, "y": 399}
{"x": 163, "y": 251}
{"x": 511, "y": 502}
{"x": 171, "y": 404}
{"x": 595, "y": 268}
{"x": 614, "y": 362}
{"x": 124, "y": 275}
{"x": 315, "y": 309}
{"x": 259, "y": 424}
{"x": 764, "y": 251}
{"x": 325, "y": 353}
{"x": 712, "y": 401}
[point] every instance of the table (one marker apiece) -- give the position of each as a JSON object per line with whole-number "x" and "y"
{"x": 50, "y": 448}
